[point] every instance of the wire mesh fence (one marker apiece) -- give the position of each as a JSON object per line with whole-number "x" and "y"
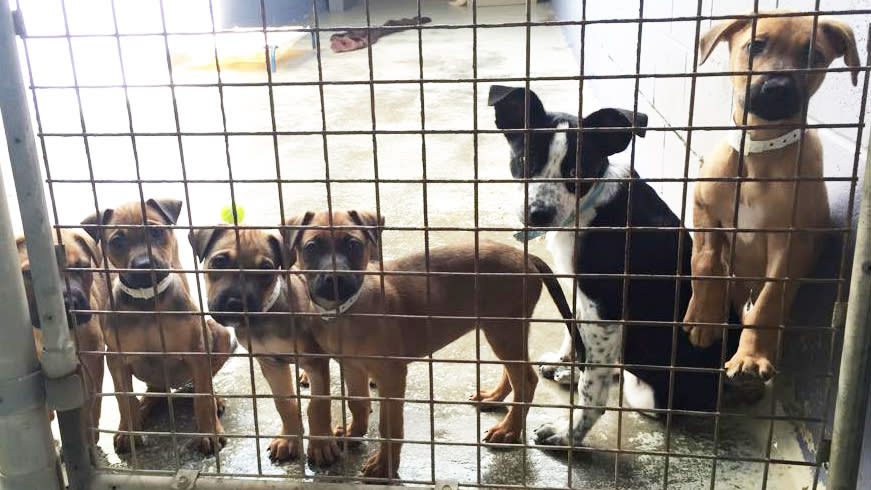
{"x": 272, "y": 230}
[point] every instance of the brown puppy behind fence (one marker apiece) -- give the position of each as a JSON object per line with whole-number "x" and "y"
{"x": 783, "y": 153}
{"x": 82, "y": 290}
{"x": 334, "y": 257}
{"x": 144, "y": 289}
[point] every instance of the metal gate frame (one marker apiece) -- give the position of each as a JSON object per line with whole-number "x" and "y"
{"x": 29, "y": 387}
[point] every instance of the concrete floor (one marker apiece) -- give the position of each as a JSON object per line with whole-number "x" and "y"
{"x": 446, "y": 54}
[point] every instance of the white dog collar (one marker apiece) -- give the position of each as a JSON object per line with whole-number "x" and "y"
{"x": 149, "y": 292}
{"x": 328, "y": 314}
{"x": 273, "y": 297}
{"x": 751, "y": 146}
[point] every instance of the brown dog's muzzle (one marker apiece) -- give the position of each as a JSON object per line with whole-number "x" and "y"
{"x": 775, "y": 97}
{"x": 147, "y": 277}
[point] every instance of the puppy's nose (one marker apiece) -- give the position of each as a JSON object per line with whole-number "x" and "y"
{"x": 141, "y": 262}
{"x": 541, "y": 215}
{"x": 234, "y": 304}
{"x": 781, "y": 87}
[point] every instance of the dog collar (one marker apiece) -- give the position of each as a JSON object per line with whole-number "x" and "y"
{"x": 273, "y": 297}
{"x": 751, "y": 146}
{"x": 146, "y": 293}
{"x": 583, "y": 206}
{"x": 328, "y": 314}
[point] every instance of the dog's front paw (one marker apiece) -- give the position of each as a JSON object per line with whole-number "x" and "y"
{"x": 502, "y": 434}
{"x": 754, "y": 364}
{"x": 548, "y": 435}
{"x": 284, "y": 449}
{"x": 376, "y": 467}
{"x": 123, "y": 442}
{"x": 567, "y": 376}
{"x": 323, "y": 452}
{"x": 549, "y": 370}
{"x": 704, "y": 336}
{"x": 211, "y": 444}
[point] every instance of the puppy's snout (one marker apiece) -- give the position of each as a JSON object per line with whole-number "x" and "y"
{"x": 336, "y": 287}
{"x": 780, "y": 86}
{"x": 141, "y": 262}
{"x": 73, "y": 301}
{"x": 541, "y": 215}
{"x": 775, "y": 97}
{"x": 233, "y": 301}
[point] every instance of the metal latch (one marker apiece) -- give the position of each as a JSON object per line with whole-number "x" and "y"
{"x": 185, "y": 479}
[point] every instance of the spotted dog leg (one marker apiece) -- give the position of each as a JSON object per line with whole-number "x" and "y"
{"x": 603, "y": 344}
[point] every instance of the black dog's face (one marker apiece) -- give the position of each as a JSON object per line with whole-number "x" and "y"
{"x": 553, "y": 154}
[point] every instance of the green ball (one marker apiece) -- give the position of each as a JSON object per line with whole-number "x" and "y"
{"x": 227, "y": 214}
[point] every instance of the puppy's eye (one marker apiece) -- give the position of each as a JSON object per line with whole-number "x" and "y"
{"x": 219, "y": 262}
{"x": 118, "y": 241}
{"x": 266, "y": 264}
{"x": 310, "y": 247}
{"x": 156, "y": 234}
{"x": 757, "y": 46}
{"x": 355, "y": 246}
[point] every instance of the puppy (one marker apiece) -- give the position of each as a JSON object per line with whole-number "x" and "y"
{"x": 332, "y": 261}
{"x": 774, "y": 153}
{"x": 244, "y": 299}
{"x": 145, "y": 285}
{"x": 82, "y": 290}
{"x": 602, "y": 211}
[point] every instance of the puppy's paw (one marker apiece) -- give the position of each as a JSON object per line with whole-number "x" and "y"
{"x": 123, "y": 442}
{"x": 753, "y": 364}
{"x": 211, "y": 444}
{"x": 376, "y": 467}
{"x": 548, "y": 435}
{"x": 567, "y": 376}
{"x": 284, "y": 449}
{"x": 548, "y": 370}
{"x": 502, "y": 434}
{"x": 323, "y": 452}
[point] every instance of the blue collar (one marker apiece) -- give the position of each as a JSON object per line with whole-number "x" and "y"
{"x": 583, "y": 206}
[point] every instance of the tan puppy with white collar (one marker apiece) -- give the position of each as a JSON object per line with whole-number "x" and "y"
{"x": 780, "y": 43}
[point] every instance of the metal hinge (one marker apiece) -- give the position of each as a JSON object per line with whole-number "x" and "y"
{"x": 185, "y": 479}
{"x": 824, "y": 451}
{"x": 18, "y": 23}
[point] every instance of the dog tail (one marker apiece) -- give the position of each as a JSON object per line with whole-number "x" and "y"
{"x": 559, "y": 298}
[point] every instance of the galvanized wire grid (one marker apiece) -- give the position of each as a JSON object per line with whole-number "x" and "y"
{"x": 823, "y": 373}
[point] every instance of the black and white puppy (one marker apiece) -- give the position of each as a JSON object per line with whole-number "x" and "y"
{"x": 599, "y": 247}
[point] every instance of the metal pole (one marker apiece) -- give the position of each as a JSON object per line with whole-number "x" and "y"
{"x": 26, "y": 444}
{"x": 27, "y": 457}
{"x": 59, "y": 353}
{"x": 855, "y": 373}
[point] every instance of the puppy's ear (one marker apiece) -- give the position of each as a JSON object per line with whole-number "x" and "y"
{"x": 612, "y": 142}
{"x": 373, "y": 230}
{"x": 279, "y": 254}
{"x": 203, "y": 239}
{"x": 840, "y": 37}
{"x": 86, "y": 241}
{"x": 508, "y": 102}
{"x": 169, "y": 209}
{"x": 720, "y": 32}
{"x": 292, "y": 236}
{"x": 96, "y": 220}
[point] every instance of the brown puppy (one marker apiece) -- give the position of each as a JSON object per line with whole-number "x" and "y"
{"x": 148, "y": 254}
{"x": 244, "y": 299}
{"x": 87, "y": 291}
{"x": 774, "y": 98}
{"x": 351, "y": 248}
